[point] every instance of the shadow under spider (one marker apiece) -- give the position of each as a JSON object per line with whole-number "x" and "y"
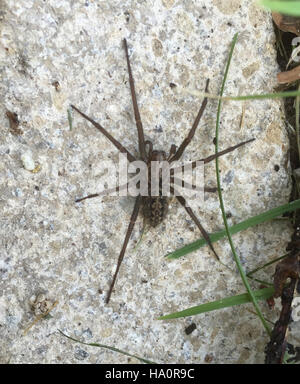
{"x": 154, "y": 207}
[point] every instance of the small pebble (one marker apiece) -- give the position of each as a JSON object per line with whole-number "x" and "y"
{"x": 190, "y": 328}
{"x": 80, "y": 354}
{"x": 27, "y": 160}
{"x": 18, "y": 192}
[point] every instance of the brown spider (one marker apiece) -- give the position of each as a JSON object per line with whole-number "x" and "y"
{"x": 154, "y": 207}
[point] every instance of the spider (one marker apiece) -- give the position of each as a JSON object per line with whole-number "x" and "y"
{"x": 154, "y": 208}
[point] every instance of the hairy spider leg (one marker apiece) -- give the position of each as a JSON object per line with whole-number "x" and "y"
{"x": 189, "y": 210}
{"x": 212, "y": 157}
{"x": 137, "y": 116}
{"x": 133, "y": 218}
{"x": 191, "y": 134}
{"x": 115, "y": 142}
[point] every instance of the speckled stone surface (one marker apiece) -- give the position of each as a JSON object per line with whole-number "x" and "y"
{"x": 68, "y": 251}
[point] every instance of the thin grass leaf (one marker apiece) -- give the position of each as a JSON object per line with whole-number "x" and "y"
{"x": 263, "y": 96}
{"x": 267, "y": 264}
{"x": 249, "y": 274}
{"x": 261, "y": 294}
{"x": 235, "y": 255}
{"x": 109, "y": 348}
{"x": 291, "y": 8}
{"x": 277, "y": 95}
{"x": 243, "y": 225}
{"x": 262, "y": 282}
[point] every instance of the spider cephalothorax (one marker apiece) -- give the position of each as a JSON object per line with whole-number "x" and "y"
{"x": 155, "y": 207}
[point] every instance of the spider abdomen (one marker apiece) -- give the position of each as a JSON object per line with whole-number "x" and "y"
{"x": 155, "y": 209}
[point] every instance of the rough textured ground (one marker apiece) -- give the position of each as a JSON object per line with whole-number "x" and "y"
{"x": 51, "y": 245}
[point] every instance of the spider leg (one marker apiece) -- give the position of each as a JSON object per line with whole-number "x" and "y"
{"x": 210, "y": 189}
{"x": 191, "y": 134}
{"x": 182, "y": 201}
{"x": 115, "y": 142}
{"x": 227, "y": 150}
{"x": 108, "y": 191}
{"x": 179, "y": 182}
{"x": 87, "y": 197}
{"x": 133, "y": 218}
{"x": 172, "y": 152}
{"x": 212, "y": 157}
{"x": 137, "y": 116}
{"x": 182, "y": 183}
{"x": 103, "y": 193}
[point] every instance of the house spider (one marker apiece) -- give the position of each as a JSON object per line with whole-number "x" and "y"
{"x": 154, "y": 208}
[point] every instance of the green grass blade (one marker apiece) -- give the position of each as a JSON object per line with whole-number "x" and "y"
{"x": 265, "y": 283}
{"x": 286, "y": 7}
{"x": 261, "y": 294}
{"x": 251, "y": 222}
{"x": 109, "y": 348}
{"x": 277, "y": 95}
{"x": 261, "y": 282}
{"x": 235, "y": 255}
{"x": 267, "y": 264}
